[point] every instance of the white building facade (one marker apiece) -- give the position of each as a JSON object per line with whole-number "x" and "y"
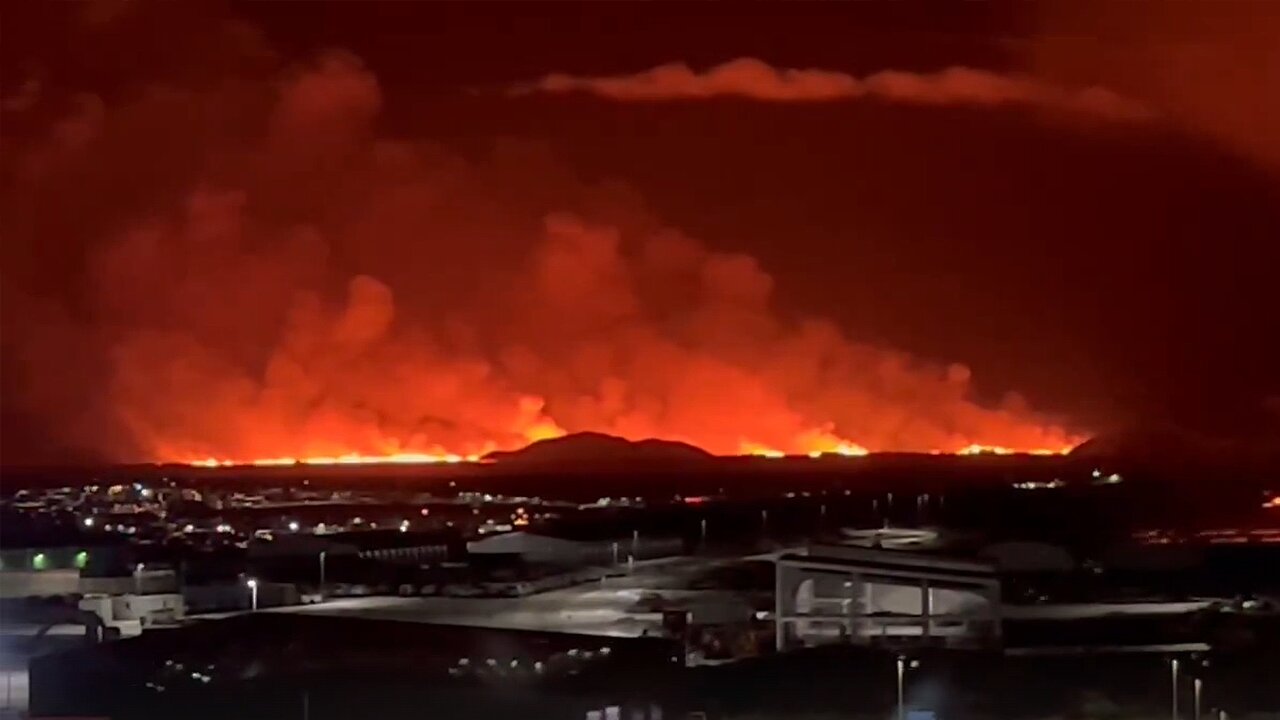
{"x": 850, "y": 595}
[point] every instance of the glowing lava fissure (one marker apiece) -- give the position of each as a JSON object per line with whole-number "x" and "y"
{"x": 347, "y": 459}
{"x": 536, "y": 425}
{"x": 825, "y": 446}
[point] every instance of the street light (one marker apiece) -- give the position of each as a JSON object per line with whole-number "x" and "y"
{"x": 903, "y": 664}
{"x": 322, "y": 554}
{"x": 253, "y": 593}
{"x": 1173, "y": 679}
{"x": 1196, "y": 686}
{"x": 1200, "y": 665}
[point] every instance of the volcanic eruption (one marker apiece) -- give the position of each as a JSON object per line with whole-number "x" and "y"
{"x": 278, "y": 282}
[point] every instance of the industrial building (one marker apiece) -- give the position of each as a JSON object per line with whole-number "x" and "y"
{"x": 851, "y": 595}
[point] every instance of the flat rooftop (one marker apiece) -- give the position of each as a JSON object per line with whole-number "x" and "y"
{"x": 614, "y": 608}
{"x": 590, "y": 609}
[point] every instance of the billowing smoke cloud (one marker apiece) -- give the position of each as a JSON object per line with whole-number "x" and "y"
{"x": 271, "y": 278}
{"x": 756, "y": 80}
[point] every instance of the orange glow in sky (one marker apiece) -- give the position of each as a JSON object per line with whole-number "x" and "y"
{"x": 815, "y": 445}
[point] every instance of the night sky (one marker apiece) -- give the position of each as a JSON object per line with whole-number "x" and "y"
{"x": 1110, "y": 271}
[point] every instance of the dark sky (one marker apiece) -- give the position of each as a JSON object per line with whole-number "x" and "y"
{"x": 1109, "y": 272}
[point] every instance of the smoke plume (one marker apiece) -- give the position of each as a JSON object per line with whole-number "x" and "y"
{"x": 266, "y": 276}
{"x": 754, "y": 79}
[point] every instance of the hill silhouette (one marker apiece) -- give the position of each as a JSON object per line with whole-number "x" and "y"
{"x": 596, "y": 448}
{"x": 1168, "y": 444}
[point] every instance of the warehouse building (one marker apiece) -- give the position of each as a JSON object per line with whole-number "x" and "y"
{"x": 851, "y": 595}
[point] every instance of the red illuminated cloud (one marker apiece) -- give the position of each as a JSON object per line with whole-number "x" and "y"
{"x": 754, "y": 79}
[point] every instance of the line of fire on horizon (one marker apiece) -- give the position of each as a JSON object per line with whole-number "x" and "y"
{"x": 748, "y": 449}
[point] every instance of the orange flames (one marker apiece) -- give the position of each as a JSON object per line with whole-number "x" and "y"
{"x": 489, "y": 303}
{"x": 813, "y": 445}
{"x": 349, "y": 459}
{"x": 540, "y": 429}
